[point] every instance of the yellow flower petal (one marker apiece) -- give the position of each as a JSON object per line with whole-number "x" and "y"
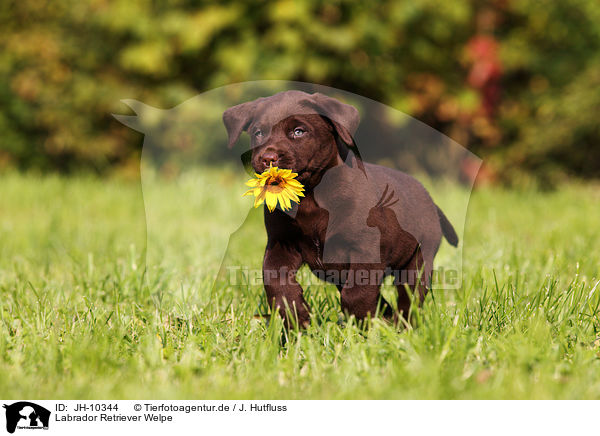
{"x": 271, "y": 201}
{"x": 285, "y": 201}
{"x": 275, "y": 186}
{"x": 295, "y": 184}
{"x": 260, "y": 197}
{"x": 293, "y": 196}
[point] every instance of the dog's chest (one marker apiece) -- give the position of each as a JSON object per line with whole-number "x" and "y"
{"x": 312, "y": 221}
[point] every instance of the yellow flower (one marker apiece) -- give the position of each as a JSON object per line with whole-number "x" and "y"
{"x": 274, "y": 185}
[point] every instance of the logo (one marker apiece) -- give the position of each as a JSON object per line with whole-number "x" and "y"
{"x": 26, "y": 415}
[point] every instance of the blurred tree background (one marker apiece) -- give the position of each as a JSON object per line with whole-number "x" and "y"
{"x": 517, "y": 82}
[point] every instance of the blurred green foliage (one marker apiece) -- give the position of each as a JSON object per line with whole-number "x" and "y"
{"x": 516, "y": 82}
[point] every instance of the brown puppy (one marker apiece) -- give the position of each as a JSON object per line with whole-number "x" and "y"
{"x": 357, "y": 222}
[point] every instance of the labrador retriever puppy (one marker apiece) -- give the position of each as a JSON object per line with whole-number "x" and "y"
{"x": 357, "y": 223}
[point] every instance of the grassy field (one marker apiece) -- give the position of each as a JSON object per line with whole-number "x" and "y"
{"x": 81, "y": 316}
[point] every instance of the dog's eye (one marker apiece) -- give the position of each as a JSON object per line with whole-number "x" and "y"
{"x": 258, "y": 134}
{"x": 298, "y": 132}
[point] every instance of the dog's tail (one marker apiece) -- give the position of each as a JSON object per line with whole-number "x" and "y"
{"x": 447, "y": 228}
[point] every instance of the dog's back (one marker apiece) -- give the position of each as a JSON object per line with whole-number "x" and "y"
{"x": 416, "y": 212}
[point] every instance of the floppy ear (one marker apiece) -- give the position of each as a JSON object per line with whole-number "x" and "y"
{"x": 343, "y": 114}
{"x": 344, "y": 120}
{"x": 237, "y": 119}
{"x": 345, "y": 142}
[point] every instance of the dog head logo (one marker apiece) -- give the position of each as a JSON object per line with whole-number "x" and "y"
{"x": 26, "y": 415}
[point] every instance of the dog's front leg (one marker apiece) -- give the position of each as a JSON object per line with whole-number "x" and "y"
{"x": 360, "y": 293}
{"x": 284, "y": 293}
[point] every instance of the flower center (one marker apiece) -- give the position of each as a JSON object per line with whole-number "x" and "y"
{"x": 275, "y": 184}
{"x": 275, "y": 180}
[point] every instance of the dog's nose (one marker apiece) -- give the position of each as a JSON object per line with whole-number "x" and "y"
{"x": 270, "y": 158}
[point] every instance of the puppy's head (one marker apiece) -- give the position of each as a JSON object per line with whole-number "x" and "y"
{"x": 307, "y": 133}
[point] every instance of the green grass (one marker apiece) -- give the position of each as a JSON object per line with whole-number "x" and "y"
{"x": 82, "y": 317}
